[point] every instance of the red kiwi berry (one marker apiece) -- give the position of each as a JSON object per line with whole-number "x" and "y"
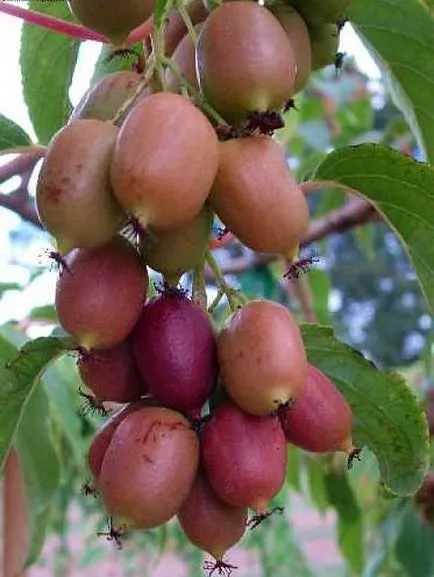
{"x": 112, "y": 18}
{"x": 75, "y": 181}
{"x": 149, "y": 468}
{"x": 244, "y": 457}
{"x": 165, "y": 161}
{"x": 298, "y": 35}
{"x": 175, "y": 351}
{"x": 103, "y": 100}
{"x": 176, "y": 251}
{"x": 111, "y": 374}
{"x": 184, "y": 58}
{"x": 320, "y": 420}
{"x": 274, "y": 221}
{"x": 100, "y": 296}
{"x": 244, "y": 60}
{"x": 211, "y": 524}
{"x": 262, "y": 358}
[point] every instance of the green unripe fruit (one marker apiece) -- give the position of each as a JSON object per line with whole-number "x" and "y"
{"x": 112, "y": 18}
{"x": 74, "y": 198}
{"x": 298, "y": 35}
{"x": 244, "y": 60}
{"x": 103, "y": 100}
{"x": 324, "y": 45}
{"x": 318, "y": 12}
{"x": 176, "y": 251}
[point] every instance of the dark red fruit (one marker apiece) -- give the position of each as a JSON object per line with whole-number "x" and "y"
{"x": 209, "y": 523}
{"x": 112, "y": 374}
{"x": 149, "y": 468}
{"x": 175, "y": 351}
{"x": 244, "y": 457}
{"x": 320, "y": 420}
{"x": 99, "y": 296}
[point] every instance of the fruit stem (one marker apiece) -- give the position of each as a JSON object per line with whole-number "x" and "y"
{"x": 235, "y": 298}
{"x": 199, "y": 287}
{"x": 215, "y": 302}
{"x": 69, "y": 28}
{"x": 187, "y": 21}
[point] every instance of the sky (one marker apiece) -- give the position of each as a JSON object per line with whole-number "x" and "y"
{"x": 14, "y": 304}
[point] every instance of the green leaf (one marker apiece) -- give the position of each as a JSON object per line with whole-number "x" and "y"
{"x": 415, "y": 546}
{"x": 350, "y": 526}
{"x": 387, "y": 415}
{"x": 108, "y": 62}
{"x": 159, "y": 11}
{"x": 19, "y": 375}
{"x": 47, "y": 61}
{"x": 12, "y": 135}
{"x": 401, "y": 35}
{"x": 40, "y": 466}
{"x": 401, "y": 189}
{"x": 316, "y": 482}
{"x": 293, "y": 469}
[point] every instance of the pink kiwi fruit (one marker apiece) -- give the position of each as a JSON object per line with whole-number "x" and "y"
{"x": 210, "y": 523}
{"x": 184, "y": 58}
{"x": 176, "y": 251}
{"x": 111, "y": 374}
{"x": 112, "y": 18}
{"x": 103, "y": 100}
{"x": 149, "y": 468}
{"x": 244, "y": 60}
{"x": 100, "y": 293}
{"x": 74, "y": 197}
{"x": 244, "y": 457}
{"x": 262, "y": 358}
{"x": 165, "y": 161}
{"x": 175, "y": 350}
{"x": 257, "y": 198}
{"x": 320, "y": 420}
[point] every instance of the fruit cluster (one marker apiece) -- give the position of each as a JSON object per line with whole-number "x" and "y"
{"x": 208, "y": 413}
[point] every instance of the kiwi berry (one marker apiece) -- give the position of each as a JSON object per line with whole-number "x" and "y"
{"x": 257, "y": 198}
{"x": 149, "y": 468}
{"x": 75, "y": 181}
{"x": 165, "y": 161}
{"x": 175, "y": 350}
{"x": 176, "y": 251}
{"x": 324, "y": 45}
{"x": 103, "y": 100}
{"x": 99, "y": 295}
{"x": 321, "y": 419}
{"x": 184, "y": 58}
{"x": 176, "y": 29}
{"x": 244, "y": 456}
{"x": 112, "y": 18}
{"x": 262, "y": 358}
{"x": 244, "y": 60}
{"x": 319, "y": 12}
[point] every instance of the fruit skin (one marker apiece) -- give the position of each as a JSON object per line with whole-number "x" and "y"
{"x": 256, "y": 197}
{"x": 209, "y": 523}
{"x": 244, "y": 456}
{"x": 320, "y": 419}
{"x": 165, "y": 161}
{"x": 244, "y": 60}
{"x": 324, "y": 45}
{"x": 75, "y": 181}
{"x": 99, "y": 295}
{"x": 149, "y": 468}
{"x": 184, "y": 58}
{"x": 176, "y": 29}
{"x": 262, "y": 358}
{"x": 112, "y": 18}
{"x": 104, "y": 99}
{"x": 298, "y": 35}
{"x": 176, "y": 251}
{"x": 175, "y": 350}
{"x": 318, "y": 12}
{"x": 112, "y": 374}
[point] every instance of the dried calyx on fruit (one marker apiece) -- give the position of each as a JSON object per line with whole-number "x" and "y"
{"x": 321, "y": 419}
{"x": 262, "y": 358}
{"x": 244, "y": 60}
{"x": 175, "y": 351}
{"x": 100, "y": 297}
{"x": 75, "y": 181}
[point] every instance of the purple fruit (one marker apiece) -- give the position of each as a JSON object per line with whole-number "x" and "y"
{"x": 175, "y": 351}
{"x": 112, "y": 374}
{"x": 244, "y": 456}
